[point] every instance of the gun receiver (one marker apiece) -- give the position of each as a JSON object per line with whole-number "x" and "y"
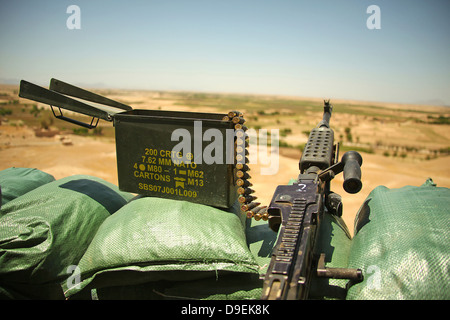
{"x": 298, "y": 209}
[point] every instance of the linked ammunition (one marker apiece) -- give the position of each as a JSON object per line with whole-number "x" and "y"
{"x": 242, "y": 160}
{"x": 233, "y": 114}
{"x": 240, "y": 133}
{"x": 249, "y": 206}
{"x": 238, "y": 120}
{"x": 242, "y": 167}
{"x": 240, "y": 127}
{"x": 240, "y": 149}
{"x": 265, "y": 214}
{"x": 245, "y": 191}
{"x": 246, "y": 199}
{"x": 243, "y": 183}
{"x": 242, "y": 142}
{"x": 242, "y": 175}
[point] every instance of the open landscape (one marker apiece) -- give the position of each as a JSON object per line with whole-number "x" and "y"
{"x": 400, "y": 144}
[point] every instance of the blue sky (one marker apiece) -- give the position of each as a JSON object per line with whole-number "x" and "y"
{"x": 319, "y": 48}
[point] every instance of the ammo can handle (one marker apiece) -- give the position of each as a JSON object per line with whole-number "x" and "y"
{"x": 74, "y": 121}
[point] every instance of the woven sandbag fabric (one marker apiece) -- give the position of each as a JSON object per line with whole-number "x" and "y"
{"x": 154, "y": 241}
{"x": 232, "y": 286}
{"x": 15, "y": 182}
{"x": 45, "y": 232}
{"x": 401, "y": 243}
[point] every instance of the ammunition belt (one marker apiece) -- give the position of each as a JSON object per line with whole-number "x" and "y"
{"x": 249, "y": 206}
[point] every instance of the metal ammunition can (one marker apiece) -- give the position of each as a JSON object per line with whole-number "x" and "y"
{"x": 168, "y": 154}
{"x": 152, "y": 162}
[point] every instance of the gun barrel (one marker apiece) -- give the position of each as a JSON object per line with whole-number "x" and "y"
{"x": 327, "y": 109}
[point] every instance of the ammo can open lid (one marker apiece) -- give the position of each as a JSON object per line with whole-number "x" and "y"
{"x": 64, "y": 95}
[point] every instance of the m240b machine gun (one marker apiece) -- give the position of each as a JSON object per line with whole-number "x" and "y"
{"x": 298, "y": 210}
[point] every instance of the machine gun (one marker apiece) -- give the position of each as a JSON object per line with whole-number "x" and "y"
{"x": 298, "y": 209}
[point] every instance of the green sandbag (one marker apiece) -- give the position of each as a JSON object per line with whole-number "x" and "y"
{"x": 153, "y": 240}
{"x": 44, "y": 233}
{"x": 15, "y": 182}
{"x": 232, "y": 286}
{"x": 401, "y": 243}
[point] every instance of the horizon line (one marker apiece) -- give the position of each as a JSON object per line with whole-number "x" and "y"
{"x": 102, "y": 86}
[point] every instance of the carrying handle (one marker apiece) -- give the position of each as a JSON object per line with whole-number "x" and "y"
{"x": 79, "y": 123}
